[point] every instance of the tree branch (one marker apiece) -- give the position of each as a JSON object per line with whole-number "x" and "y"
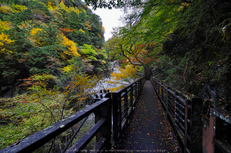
{"x": 123, "y": 52}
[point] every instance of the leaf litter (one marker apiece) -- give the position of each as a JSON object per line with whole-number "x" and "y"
{"x": 149, "y": 128}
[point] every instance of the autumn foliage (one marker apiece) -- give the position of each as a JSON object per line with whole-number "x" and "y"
{"x": 140, "y": 54}
{"x": 51, "y": 53}
{"x": 5, "y": 41}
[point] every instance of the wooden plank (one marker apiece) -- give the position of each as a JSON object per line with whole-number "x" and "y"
{"x": 86, "y": 138}
{"x": 38, "y": 139}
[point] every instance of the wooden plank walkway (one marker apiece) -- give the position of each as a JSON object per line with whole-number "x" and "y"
{"x": 148, "y": 129}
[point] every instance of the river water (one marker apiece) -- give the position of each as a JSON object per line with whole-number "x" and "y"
{"x": 103, "y": 84}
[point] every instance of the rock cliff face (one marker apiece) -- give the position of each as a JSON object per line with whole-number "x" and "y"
{"x": 8, "y": 88}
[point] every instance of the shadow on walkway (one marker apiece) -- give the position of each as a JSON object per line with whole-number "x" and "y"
{"x": 148, "y": 129}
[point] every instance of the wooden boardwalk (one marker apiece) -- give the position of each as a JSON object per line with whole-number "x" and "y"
{"x": 148, "y": 129}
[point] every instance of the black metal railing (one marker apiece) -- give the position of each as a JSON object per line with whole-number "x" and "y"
{"x": 122, "y": 101}
{"x": 220, "y": 125}
{"x": 38, "y": 139}
{"x": 184, "y": 112}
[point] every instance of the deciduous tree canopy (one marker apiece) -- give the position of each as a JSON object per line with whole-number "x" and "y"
{"x": 51, "y": 52}
{"x": 42, "y": 36}
{"x": 180, "y": 41}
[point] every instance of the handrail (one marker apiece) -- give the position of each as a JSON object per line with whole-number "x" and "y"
{"x": 122, "y": 101}
{"x": 38, "y": 139}
{"x": 220, "y": 125}
{"x": 184, "y": 111}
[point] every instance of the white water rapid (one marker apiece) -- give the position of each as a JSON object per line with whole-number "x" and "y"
{"x": 103, "y": 83}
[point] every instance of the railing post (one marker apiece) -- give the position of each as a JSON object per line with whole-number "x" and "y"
{"x": 126, "y": 103}
{"x": 196, "y": 131}
{"x": 131, "y": 96}
{"x": 97, "y": 118}
{"x": 137, "y": 89}
{"x": 116, "y": 116}
{"x": 105, "y": 132}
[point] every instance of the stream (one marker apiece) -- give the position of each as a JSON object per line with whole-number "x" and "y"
{"x": 103, "y": 84}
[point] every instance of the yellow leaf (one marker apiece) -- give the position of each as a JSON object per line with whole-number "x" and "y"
{"x": 72, "y": 49}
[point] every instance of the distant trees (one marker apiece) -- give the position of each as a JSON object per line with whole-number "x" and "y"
{"x": 41, "y": 36}
{"x": 51, "y": 55}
